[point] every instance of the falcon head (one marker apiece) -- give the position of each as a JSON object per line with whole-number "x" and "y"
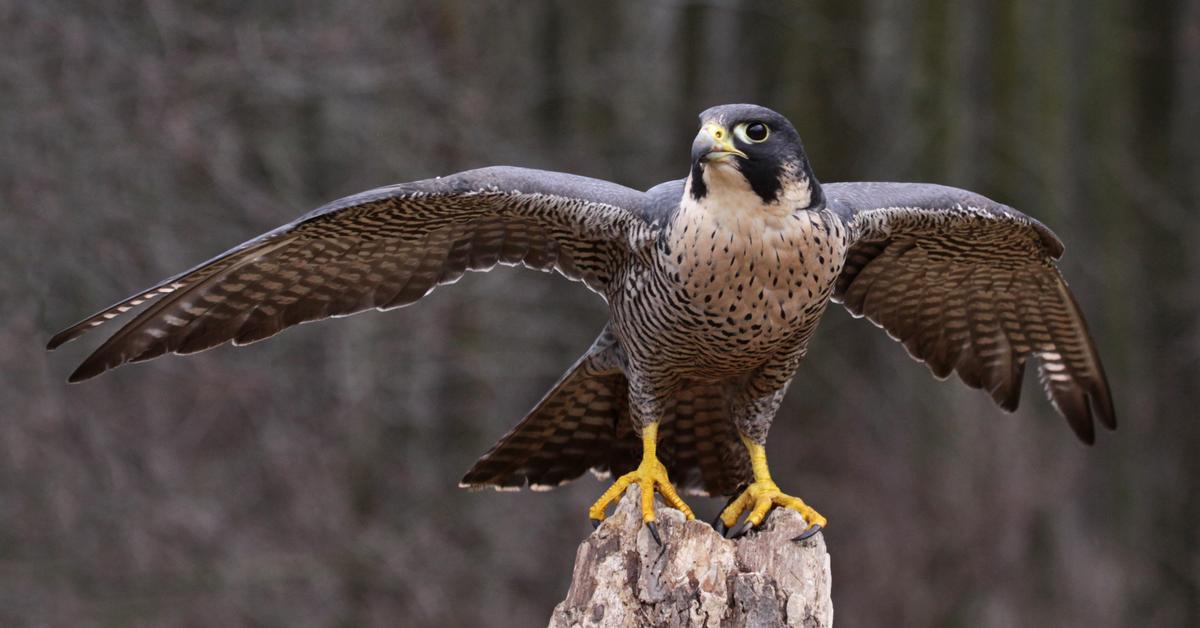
{"x": 748, "y": 147}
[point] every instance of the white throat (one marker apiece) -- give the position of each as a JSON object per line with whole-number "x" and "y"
{"x": 733, "y": 204}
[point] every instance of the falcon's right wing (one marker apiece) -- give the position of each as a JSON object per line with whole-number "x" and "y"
{"x": 381, "y": 249}
{"x": 970, "y": 285}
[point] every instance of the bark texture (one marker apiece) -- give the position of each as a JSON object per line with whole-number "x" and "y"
{"x": 696, "y": 578}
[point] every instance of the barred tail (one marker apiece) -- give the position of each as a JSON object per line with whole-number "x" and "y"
{"x": 572, "y": 429}
{"x": 583, "y": 424}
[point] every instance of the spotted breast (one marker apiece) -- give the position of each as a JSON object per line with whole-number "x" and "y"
{"x": 756, "y": 277}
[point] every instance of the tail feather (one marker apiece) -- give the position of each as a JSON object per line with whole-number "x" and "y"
{"x": 570, "y": 431}
{"x": 699, "y": 444}
{"x": 583, "y": 424}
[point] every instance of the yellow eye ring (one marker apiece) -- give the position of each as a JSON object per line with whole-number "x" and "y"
{"x": 752, "y": 132}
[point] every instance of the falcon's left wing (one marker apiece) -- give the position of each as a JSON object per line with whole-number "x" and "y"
{"x": 379, "y": 249}
{"x": 970, "y": 285}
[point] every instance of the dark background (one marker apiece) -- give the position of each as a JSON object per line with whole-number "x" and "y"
{"x": 310, "y": 480}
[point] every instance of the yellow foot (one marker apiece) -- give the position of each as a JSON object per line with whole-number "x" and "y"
{"x": 759, "y": 497}
{"x": 649, "y": 476}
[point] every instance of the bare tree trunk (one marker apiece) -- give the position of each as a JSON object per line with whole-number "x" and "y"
{"x": 696, "y": 578}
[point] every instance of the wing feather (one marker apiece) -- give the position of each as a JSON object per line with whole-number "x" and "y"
{"x": 970, "y": 286}
{"x": 380, "y": 249}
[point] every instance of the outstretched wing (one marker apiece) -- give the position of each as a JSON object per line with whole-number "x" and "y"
{"x": 970, "y": 285}
{"x": 380, "y": 249}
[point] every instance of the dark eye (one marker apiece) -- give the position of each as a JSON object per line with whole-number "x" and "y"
{"x": 757, "y": 132}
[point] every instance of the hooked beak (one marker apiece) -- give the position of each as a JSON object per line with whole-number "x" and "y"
{"x": 714, "y": 143}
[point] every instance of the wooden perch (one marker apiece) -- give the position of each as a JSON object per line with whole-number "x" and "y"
{"x": 696, "y": 578}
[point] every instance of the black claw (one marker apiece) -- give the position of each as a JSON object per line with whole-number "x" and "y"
{"x": 718, "y": 524}
{"x": 741, "y": 530}
{"x": 595, "y": 523}
{"x": 808, "y": 533}
{"x": 654, "y": 532}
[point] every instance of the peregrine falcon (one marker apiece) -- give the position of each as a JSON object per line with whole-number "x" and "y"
{"x": 714, "y": 284}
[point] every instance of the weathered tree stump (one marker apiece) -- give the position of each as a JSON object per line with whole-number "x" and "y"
{"x": 696, "y": 578}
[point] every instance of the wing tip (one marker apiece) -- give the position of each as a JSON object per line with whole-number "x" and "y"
{"x": 90, "y": 368}
{"x": 1078, "y": 415}
{"x": 1011, "y": 402}
{"x": 66, "y": 335}
{"x": 1098, "y": 409}
{"x": 1086, "y": 435}
{"x": 56, "y": 341}
{"x": 1101, "y": 402}
{"x": 1102, "y": 408}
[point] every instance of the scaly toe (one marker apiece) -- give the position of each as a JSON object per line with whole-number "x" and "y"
{"x": 813, "y": 518}
{"x": 650, "y": 476}
{"x": 759, "y": 498}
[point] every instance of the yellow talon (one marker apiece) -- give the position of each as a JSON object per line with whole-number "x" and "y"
{"x": 649, "y": 476}
{"x": 762, "y": 494}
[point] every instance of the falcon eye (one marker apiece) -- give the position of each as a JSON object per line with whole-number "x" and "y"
{"x": 754, "y": 132}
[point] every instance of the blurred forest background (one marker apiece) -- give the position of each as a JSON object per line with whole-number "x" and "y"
{"x": 311, "y": 480}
